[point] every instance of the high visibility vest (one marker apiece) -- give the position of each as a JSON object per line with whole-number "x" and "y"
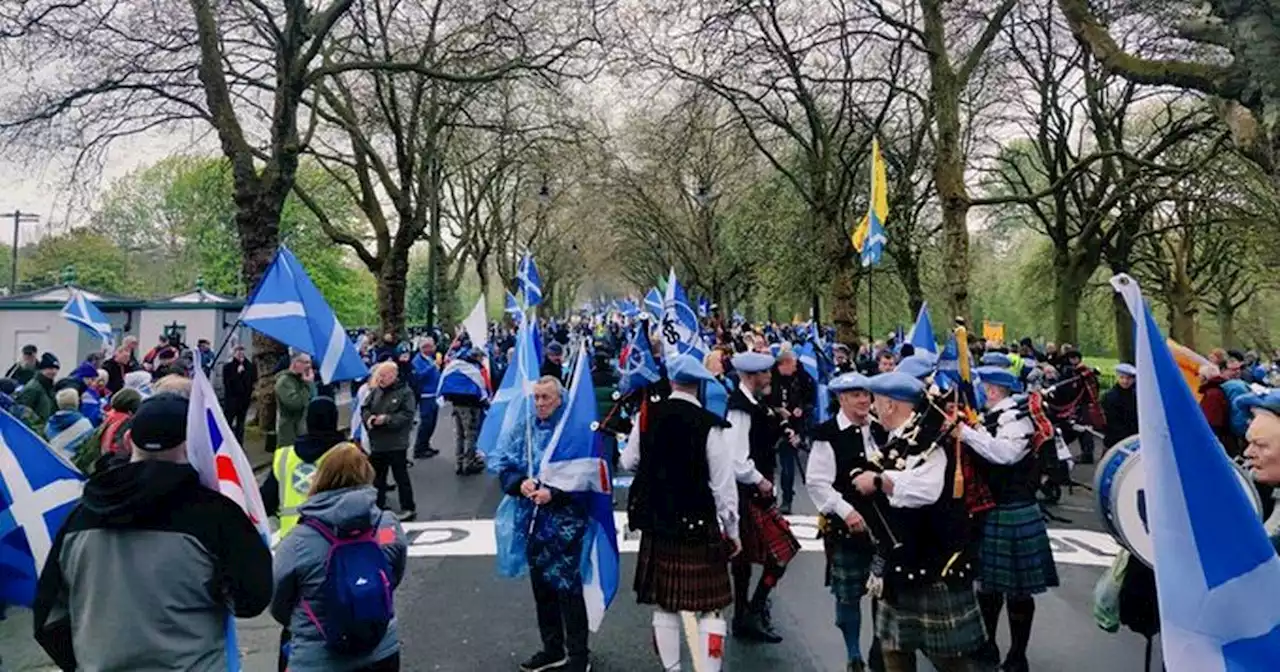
{"x": 295, "y": 477}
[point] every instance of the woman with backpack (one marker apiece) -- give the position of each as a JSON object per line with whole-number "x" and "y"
{"x": 335, "y": 573}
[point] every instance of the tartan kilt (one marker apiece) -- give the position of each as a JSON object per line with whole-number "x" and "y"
{"x": 939, "y": 619}
{"x": 849, "y": 567}
{"x": 1014, "y": 556}
{"x": 683, "y": 575}
{"x": 766, "y": 535}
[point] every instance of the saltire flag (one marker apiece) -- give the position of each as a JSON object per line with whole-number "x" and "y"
{"x": 529, "y": 282}
{"x": 807, "y": 354}
{"x": 82, "y": 312}
{"x": 824, "y": 351}
{"x": 287, "y": 307}
{"x": 462, "y": 378}
{"x": 870, "y": 237}
{"x": 921, "y": 334}
{"x": 704, "y": 307}
{"x": 477, "y": 325}
{"x": 212, "y": 450}
{"x": 512, "y": 308}
{"x": 680, "y": 332}
{"x": 38, "y": 490}
{"x": 509, "y": 401}
{"x": 1213, "y": 561}
{"x": 638, "y": 367}
{"x": 575, "y": 462}
{"x": 653, "y": 303}
{"x": 628, "y": 308}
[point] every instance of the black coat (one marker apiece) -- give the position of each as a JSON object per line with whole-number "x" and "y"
{"x": 237, "y": 383}
{"x": 1121, "y": 408}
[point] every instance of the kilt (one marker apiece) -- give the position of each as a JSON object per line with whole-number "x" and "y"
{"x": 1014, "y": 557}
{"x": 766, "y": 535}
{"x": 682, "y": 575}
{"x": 850, "y": 567}
{"x": 938, "y": 619}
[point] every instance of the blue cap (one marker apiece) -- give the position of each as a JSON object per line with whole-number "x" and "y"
{"x": 998, "y": 375}
{"x": 896, "y": 385}
{"x": 555, "y": 348}
{"x": 1267, "y": 402}
{"x": 687, "y": 370}
{"x": 1126, "y": 370}
{"x": 849, "y": 381}
{"x": 916, "y": 366}
{"x": 752, "y": 362}
{"x": 996, "y": 359}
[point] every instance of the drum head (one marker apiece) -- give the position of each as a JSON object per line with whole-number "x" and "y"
{"x": 1122, "y": 503}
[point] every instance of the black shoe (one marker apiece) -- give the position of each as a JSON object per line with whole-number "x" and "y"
{"x": 406, "y": 516}
{"x": 544, "y": 661}
{"x": 425, "y": 454}
{"x": 1085, "y": 458}
{"x": 460, "y": 470}
{"x": 390, "y": 488}
{"x": 785, "y": 509}
{"x": 1019, "y": 664}
{"x": 754, "y": 628}
{"x": 578, "y": 664}
{"x": 474, "y": 469}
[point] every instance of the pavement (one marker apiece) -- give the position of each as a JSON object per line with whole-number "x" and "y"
{"x": 455, "y": 615}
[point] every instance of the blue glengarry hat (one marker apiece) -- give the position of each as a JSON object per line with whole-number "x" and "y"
{"x": 1269, "y": 401}
{"x": 896, "y": 385}
{"x": 687, "y": 370}
{"x": 916, "y": 366}
{"x": 996, "y": 359}
{"x": 1126, "y": 370}
{"x": 849, "y": 381}
{"x": 752, "y": 362}
{"x": 998, "y": 375}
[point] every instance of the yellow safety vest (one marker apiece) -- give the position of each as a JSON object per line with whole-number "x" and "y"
{"x": 295, "y": 477}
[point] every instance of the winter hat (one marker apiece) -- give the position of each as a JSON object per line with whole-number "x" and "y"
{"x": 49, "y": 361}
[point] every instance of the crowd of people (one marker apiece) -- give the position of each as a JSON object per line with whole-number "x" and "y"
{"x": 942, "y": 541}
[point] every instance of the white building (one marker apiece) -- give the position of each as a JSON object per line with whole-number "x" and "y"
{"x": 35, "y": 318}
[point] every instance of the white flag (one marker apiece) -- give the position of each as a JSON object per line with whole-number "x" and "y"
{"x": 477, "y": 325}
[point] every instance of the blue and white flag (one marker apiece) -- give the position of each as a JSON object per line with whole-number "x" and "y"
{"x": 287, "y": 307}
{"x": 575, "y": 462}
{"x": 462, "y": 378}
{"x": 873, "y": 247}
{"x": 704, "y": 307}
{"x": 529, "y": 282}
{"x": 628, "y": 308}
{"x": 679, "y": 326}
{"x": 83, "y": 313}
{"x": 640, "y": 368}
{"x": 653, "y": 303}
{"x": 921, "y": 334}
{"x": 512, "y": 308}
{"x": 38, "y": 490}
{"x": 1216, "y": 572}
{"x": 511, "y": 398}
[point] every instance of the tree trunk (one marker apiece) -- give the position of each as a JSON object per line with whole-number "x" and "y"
{"x": 1124, "y": 329}
{"x": 1227, "y": 323}
{"x": 1182, "y": 315}
{"x": 392, "y": 285}
{"x": 258, "y": 226}
{"x": 909, "y": 274}
{"x": 844, "y": 301}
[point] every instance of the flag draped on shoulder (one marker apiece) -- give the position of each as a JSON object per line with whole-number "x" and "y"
{"x": 574, "y": 462}
{"x": 463, "y": 378}
{"x": 510, "y": 399}
{"x": 921, "y": 334}
{"x": 38, "y": 490}
{"x": 529, "y": 282}
{"x": 82, "y": 312}
{"x": 680, "y": 333}
{"x": 1216, "y": 571}
{"x": 287, "y": 307}
{"x": 870, "y": 237}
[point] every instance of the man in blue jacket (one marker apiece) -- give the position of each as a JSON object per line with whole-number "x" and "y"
{"x": 426, "y": 378}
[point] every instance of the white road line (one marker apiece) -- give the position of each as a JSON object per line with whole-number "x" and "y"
{"x": 475, "y": 538}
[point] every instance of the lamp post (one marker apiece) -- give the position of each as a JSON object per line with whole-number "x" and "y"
{"x": 19, "y": 218}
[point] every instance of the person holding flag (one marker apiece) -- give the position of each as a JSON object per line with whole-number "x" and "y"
{"x": 684, "y": 502}
{"x": 551, "y": 524}
{"x": 147, "y": 541}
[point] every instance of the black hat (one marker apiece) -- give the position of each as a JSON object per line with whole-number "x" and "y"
{"x": 29, "y": 349}
{"x": 161, "y": 422}
{"x": 555, "y": 348}
{"x": 48, "y": 361}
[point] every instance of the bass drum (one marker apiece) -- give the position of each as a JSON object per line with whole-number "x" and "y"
{"x": 1119, "y": 484}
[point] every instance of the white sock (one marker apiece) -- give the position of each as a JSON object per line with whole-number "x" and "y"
{"x": 666, "y": 639}
{"x": 711, "y": 632}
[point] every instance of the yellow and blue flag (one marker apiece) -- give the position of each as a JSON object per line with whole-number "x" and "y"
{"x": 870, "y": 236}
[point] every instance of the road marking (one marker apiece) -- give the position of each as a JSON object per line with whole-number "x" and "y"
{"x": 475, "y": 538}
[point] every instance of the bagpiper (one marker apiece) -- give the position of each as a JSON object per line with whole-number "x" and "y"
{"x": 1015, "y": 560}
{"x": 925, "y": 579}
{"x": 685, "y": 504}
{"x": 842, "y": 446}
{"x": 766, "y": 536}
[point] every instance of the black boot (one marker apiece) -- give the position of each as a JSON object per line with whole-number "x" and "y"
{"x": 988, "y": 655}
{"x": 1022, "y": 612}
{"x": 758, "y": 625}
{"x": 741, "y": 573}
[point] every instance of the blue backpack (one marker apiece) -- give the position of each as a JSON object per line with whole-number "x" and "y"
{"x": 356, "y": 595}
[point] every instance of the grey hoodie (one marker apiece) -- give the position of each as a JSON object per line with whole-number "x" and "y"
{"x": 300, "y": 571}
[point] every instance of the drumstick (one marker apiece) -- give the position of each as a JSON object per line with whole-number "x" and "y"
{"x": 690, "y": 624}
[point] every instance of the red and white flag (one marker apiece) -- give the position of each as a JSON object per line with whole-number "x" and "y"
{"x": 216, "y": 455}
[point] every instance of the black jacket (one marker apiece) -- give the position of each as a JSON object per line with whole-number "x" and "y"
{"x": 148, "y": 543}
{"x": 237, "y": 383}
{"x": 1121, "y": 408}
{"x": 550, "y": 368}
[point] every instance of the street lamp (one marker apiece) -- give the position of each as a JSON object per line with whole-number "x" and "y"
{"x": 19, "y": 218}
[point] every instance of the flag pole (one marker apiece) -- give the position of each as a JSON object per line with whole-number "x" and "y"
{"x": 871, "y": 327}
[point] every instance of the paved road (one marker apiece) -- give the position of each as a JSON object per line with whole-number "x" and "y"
{"x": 457, "y": 616}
